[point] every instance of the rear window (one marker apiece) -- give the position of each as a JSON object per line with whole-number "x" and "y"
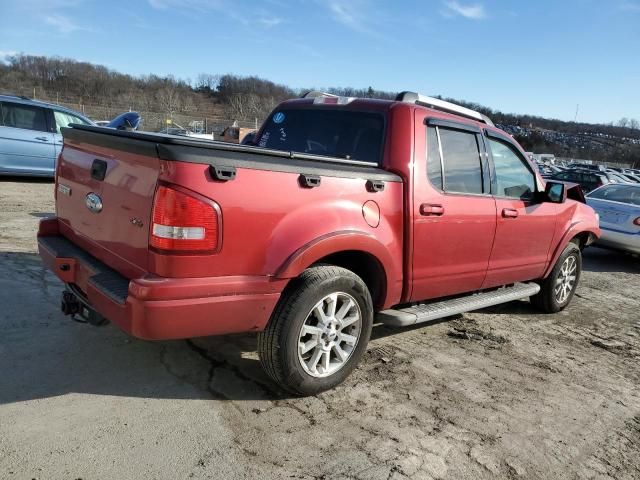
{"x": 618, "y": 193}
{"x": 335, "y": 133}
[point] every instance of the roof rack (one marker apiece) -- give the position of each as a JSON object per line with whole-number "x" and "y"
{"x": 443, "y": 106}
{"x": 318, "y": 93}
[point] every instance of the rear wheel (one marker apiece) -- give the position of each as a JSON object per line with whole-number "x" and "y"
{"x": 318, "y": 332}
{"x": 558, "y": 288}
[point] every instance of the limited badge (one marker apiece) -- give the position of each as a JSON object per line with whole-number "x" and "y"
{"x": 63, "y": 189}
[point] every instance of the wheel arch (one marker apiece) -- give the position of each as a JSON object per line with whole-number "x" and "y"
{"x": 577, "y": 234}
{"x": 361, "y": 253}
{"x": 366, "y": 266}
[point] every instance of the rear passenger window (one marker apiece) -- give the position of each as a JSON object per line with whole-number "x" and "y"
{"x": 461, "y": 160}
{"x": 17, "y": 115}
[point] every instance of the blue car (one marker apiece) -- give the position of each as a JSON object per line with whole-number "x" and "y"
{"x": 30, "y": 138}
{"x": 618, "y": 206}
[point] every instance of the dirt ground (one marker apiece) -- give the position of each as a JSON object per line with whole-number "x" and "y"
{"x": 501, "y": 393}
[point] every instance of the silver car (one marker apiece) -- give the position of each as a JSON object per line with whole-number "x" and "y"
{"x": 618, "y": 206}
{"x": 30, "y": 138}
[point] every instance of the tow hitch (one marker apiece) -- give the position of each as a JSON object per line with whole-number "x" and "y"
{"x": 80, "y": 311}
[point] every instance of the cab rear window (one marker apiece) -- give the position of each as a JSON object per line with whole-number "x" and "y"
{"x": 335, "y": 133}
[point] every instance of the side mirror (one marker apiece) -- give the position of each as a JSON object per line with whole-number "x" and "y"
{"x": 555, "y": 192}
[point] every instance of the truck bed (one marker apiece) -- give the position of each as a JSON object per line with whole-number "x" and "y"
{"x": 268, "y": 214}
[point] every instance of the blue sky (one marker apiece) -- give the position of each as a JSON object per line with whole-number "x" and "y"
{"x": 542, "y": 57}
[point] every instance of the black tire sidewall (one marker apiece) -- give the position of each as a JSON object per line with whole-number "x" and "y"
{"x": 570, "y": 250}
{"x": 296, "y": 375}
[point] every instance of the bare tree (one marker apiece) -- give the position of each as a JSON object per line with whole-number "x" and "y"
{"x": 169, "y": 100}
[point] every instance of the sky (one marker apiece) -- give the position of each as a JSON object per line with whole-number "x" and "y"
{"x": 542, "y": 57}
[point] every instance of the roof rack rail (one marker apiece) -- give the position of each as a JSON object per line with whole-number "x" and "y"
{"x": 318, "y": 93}
{"x": 443, "y": 106}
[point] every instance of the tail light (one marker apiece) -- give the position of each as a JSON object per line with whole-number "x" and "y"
{"x": 637, "y": 222}
{"x": 184, "y": 223}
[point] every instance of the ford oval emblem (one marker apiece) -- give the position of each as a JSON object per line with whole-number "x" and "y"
{"x": 93, "y": 202}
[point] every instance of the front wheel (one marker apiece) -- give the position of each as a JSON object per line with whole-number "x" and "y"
{"x": 318, "y": 332}
{"x": 558, "y": 288}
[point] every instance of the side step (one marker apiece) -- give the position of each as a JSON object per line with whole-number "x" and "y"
{"x": 431, "y": 311}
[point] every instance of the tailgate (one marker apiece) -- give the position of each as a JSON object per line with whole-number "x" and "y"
{"x": 104, "y": 196}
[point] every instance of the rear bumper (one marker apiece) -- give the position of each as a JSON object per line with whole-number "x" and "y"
{"x": 158, "y": 308}
{"x": 618, "y": 240}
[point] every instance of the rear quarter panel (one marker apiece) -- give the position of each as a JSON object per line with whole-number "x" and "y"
{"x": 272, "y": 226}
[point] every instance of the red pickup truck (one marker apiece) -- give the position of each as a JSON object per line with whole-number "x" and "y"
{"x": 345, "y": 211}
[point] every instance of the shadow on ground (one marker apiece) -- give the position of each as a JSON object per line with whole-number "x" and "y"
{"x": 45, "y": 354}
{"x": 596, "y": 259}
{"x": 25, "y": 179}
{"x": 42, "y": 214}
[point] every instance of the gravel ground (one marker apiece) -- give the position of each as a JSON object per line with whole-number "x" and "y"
{"x": 501, "y": 393}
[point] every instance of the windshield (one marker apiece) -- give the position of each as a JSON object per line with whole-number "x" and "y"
{"x": 618, "y": 193}
{"x": 63, "y": 119}
{"x": 336, "y": 133}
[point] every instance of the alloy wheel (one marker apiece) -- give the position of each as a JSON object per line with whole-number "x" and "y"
{"x": 566, "y": 279}
{"x": 329, "y": 334}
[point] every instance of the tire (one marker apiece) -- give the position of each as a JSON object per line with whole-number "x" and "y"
{"x": 548, "y": 299}
{"x": 287, "y": 352}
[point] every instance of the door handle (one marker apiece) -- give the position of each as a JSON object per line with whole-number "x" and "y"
{"x": 42, "y": 139}
{"x": 431, "y": 210}
{"x": 509, "y": 213}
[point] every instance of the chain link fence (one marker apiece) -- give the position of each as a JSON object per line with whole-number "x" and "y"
{"x": 202, "y": 120}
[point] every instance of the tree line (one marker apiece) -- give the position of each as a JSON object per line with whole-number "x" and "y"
{"x": 242, "y": 97}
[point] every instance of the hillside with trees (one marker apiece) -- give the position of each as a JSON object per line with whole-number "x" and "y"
{"x": 217, "y": 100}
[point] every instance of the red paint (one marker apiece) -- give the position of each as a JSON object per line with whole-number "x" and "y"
{"x": 269, "y": 229}
{"x": 521, "y": 246}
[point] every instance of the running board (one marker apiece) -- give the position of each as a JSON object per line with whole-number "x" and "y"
{"x": 432, "y": 311}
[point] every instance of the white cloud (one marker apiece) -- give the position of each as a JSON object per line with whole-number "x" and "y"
{"x": 62, "y": 23}
{"x": 193, "y": 8}
{"x": 473, "y": 12}
{"x": 353, "y": 14}
{"x": 269, "y": 21}
{"x": 199, "y": 5}
{"x": 347, "y": 14}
